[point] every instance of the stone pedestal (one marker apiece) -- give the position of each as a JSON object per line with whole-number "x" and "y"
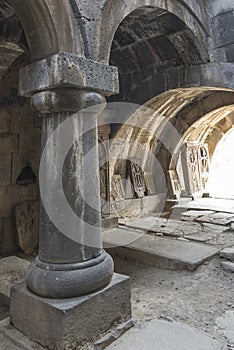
{"x": 72, "y": 323}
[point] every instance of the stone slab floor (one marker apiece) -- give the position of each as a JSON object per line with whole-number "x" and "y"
{"x": 202, "y": 299}
{"x": 166, "y": 335}
{"x": 198, "y": 299}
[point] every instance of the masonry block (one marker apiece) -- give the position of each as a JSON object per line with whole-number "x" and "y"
{"x": 8, "y": 143}
{"x": 71, "y": 323}
{"x": 4, "y": 121}
{"x": 8, "y": 241}
{"x": 5, "y": 166}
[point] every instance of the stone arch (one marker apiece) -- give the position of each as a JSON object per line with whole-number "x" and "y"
{"x": 212, "y": 127}
{"x": 154, "y": 49}
{"x": 32, "y": 30}
{"x": 48, "y": 25}
{"x": 116, "y": 12}
{"x": 168, "y": 118}
{"x": 185, "y": 109}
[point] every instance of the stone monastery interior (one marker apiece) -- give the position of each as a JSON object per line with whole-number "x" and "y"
{"x": 116, "y": 149}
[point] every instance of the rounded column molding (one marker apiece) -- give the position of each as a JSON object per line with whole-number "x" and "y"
{"x": 65, "y": 100}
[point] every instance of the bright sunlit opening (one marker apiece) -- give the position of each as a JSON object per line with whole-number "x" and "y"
{"x": 221, "y": 179}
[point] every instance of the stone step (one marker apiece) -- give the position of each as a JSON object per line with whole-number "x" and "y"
{"x": 219, "y": 205}
{"x": 166, "y": 335}
{"x": 161, "y": 252}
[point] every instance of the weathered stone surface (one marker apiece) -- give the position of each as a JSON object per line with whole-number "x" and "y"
{"x": 217, "y": 218}
{"x": 197, "y": 213}
{"x": 230, "y": 53}
{"x": 30, "y": 141}
{"x": 200, "y": 237}
{"x": 68, "y": 70}
{"x": 4, "y": 121}
{"x": 225, "y": 323}
{"x": 211, "y": 74}
{"x": 5, "y": 343}
{"x": 176, "y": 228}
{"x": 12, "y": 195}
{"x": 71, "y": 323}
{"x": 166, "y": 335}
{"x": 228, "y": 253}
{"x": 12, "y": 339}
{"x": 5, "y": 166}
{"x": 109, "y": 222}
{"x": 12, "y": 271}
{"x": 156, "y": 251}
{"x": 8, "y": 143}
{"x": 146, "y": 223}
{"x": 27, "y": 223}
{"x": 223, "y": 29}
{"x": 227, "y": 266}
{"x": 7, "y": 234}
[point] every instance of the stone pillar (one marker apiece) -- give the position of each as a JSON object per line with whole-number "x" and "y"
{"x": 72, "y": 263}
{"x": 80, "y": 256}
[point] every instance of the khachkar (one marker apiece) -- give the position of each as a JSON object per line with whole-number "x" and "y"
{"x": 71, "y": 295}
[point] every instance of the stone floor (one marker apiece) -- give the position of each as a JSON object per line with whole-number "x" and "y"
{"x": 204, "y": 226}
{"x": 203, "y": 300}
{"x": 166, "y": 335}
{"x": 173, "y": 310}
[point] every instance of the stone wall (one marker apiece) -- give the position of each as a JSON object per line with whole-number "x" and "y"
{"x": 222, "y": 30}
{"x": 19, "y": 147}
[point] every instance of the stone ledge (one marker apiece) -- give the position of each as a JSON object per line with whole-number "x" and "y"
{"x": 57, "y": 324}
{"x": 160, "y": 252}
{"x": 68, "y": 70}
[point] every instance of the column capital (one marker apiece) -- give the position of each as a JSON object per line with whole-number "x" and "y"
{"x": 66, "y": 100}
{"x": 66, "y": 70}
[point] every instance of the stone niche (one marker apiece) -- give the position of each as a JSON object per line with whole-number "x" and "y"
{"x": 19, "y": 161}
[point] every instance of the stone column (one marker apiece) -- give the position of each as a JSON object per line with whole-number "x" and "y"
{"x": 71, "y": 261}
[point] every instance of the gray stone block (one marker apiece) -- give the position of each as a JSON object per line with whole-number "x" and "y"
{"x": 156, "y": 251}
{"x": 68, "y": 70}
{"x": 228, "y": 253}
{"x": 230, "y": 53}
{"x": 110, "y": 222}
{"x": 227, "y": 266}
{"x": 70, "y": 323}
{"x": 223, "y": 29}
